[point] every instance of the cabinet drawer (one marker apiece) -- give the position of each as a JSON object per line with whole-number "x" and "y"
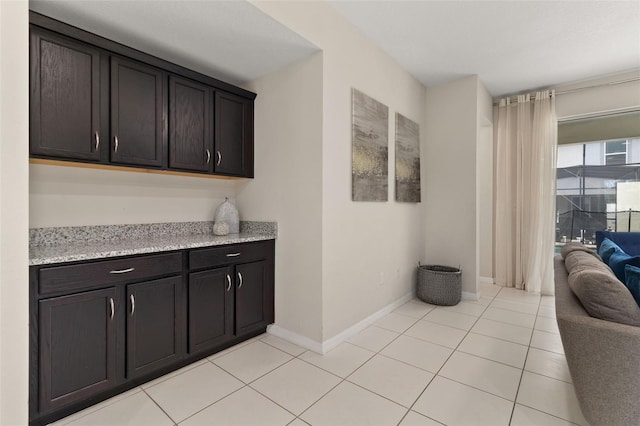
{"x": 93, "y": 274}
{"x": 225, "y": 255}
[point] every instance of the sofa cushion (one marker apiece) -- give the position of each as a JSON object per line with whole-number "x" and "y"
{"x": 603, "y": 296}
{"x": 607, "y": 248}
{"x": 581, "y": 260}
{"x": 572, "y": 247}
{"x": 619, "y": 259}
{"x": 632, "y": 281}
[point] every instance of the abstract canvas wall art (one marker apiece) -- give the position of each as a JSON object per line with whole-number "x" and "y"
{"x": 369, "y": 149}
{"x": 407, "y": 160}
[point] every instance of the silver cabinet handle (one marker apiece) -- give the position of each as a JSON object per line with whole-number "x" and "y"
{"x": 239, "y": 279}
{"x": 133, "y": 303}
{"x": 113, "y": 308}
{"x": 122, "y": 271}
{"x": 219, "y": 158}
{"x": 97, "y": 141}
{"x": 208, "y": 156}
{"x": 233, "y": 254}
{"x": 228, "y": 282}
{"x": 116, "y": 143}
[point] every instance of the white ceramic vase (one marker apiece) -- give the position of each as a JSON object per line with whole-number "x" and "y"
{"x": 227, "y": 212}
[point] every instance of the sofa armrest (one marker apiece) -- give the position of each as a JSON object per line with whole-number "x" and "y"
{"x": 603, "y": 358}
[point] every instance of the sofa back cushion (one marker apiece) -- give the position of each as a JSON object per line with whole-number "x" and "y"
{"x": 573, "y": 246}
{"x": 602, "y": 295}
{"x": 628, "y": 241}
{"x": 581, "y": 260}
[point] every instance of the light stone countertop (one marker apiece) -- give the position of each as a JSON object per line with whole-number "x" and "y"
{"x": 76, "y": 249}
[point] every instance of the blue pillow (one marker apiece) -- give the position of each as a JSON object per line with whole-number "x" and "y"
{"x": 632, "y": 281}
{"x": 606, "y": 249}
{"x": 619, "y": 259}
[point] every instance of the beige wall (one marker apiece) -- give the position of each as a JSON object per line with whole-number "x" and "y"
{"x": 484, "y": 183}
{"x": 597, "y": 100}
{"x": 72, "y": 196}
{"x": 14, "y": 208}
{"x": 288, "y": 189}
{"x": 457, "y": 175}
{"x": 369, "y": 249}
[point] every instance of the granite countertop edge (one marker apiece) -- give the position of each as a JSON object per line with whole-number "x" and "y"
{"x": 91, "y": 251}
{"x": 49, "y": 246}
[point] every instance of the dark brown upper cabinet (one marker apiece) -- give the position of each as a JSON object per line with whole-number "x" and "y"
{"x": 136, "y": 113}
{"x": 97, "y": 101}
{"x": 190, "y": 141}
{"x": 65, "y": 102}
{"x": 233, "y": 135}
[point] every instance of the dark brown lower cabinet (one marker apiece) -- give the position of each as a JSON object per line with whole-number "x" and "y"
{"x": 77, "y": 347}
{"x": 153, "y": 332}
{"x": 210, "y": 308}
{"x": 251, "y": 296}
{"x": 102, "y": 327}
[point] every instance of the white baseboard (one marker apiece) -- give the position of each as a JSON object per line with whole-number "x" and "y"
{"x": 295, "y": 338}
{"x": 467, "y": 295}
{"x": 486, "y": 280}
{"x": 327, "y": 345}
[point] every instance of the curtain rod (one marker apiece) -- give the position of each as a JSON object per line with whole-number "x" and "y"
{"x": 514, "y": 98}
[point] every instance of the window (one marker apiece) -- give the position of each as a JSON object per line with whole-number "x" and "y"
{"x": 615, "y": 153}
{"x": 598, "y": 187}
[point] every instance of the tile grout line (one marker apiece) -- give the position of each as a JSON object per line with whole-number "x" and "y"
{"x": 436, "y": 374}
{"x": 524, "y": 365}
{"x": 160, "y": 407}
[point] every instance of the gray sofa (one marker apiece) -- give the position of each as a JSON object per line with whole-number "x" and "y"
{"x": 603, "y": 358}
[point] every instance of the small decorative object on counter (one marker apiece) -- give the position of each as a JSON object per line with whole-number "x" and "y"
{"x": 227, "y": 212}
{"x": 220, "y": 228}
{"x": 439, "y": 285}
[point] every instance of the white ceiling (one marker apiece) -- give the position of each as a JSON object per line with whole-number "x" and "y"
{"x": 512, "y": 45}
{"x": 230, "y": 40}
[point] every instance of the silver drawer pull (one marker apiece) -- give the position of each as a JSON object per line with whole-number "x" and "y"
{"x": 97, "y": 141}
{"x": 133, "y": 303}
{"x": 228, "y": 282}
{"x": 239, "y": 279}
{"x": 219, "y": 158}
{"x": 122, "y": 271}
{"x": 233, "y": 254}
{"x": 208, "y": 156}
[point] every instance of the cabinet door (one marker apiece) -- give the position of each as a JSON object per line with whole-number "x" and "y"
{"x": 190, "y": 141}
{"x": 77, "y": 347}
{"x": 233, "y": 135}
{"x": 152, "y": 329}
{"x": 136, "y": 113}
{"x": 64, "y": 102}
{"x": 210, "y": 308}
{"x": 251, "y": 298}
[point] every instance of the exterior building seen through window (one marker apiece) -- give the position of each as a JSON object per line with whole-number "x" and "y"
{"x": 598, "y": 188}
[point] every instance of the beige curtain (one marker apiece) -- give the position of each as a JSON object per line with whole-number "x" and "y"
{"x": 525, "y": 140}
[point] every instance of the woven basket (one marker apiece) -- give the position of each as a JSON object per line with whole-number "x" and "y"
{"x": 439, "y": 285}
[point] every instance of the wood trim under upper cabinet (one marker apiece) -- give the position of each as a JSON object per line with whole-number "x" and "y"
{"x": 73, "y": 163}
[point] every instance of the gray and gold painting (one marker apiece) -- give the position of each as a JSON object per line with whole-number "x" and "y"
{"x": 369, "y": 149}
{"x": 407, "y": 160}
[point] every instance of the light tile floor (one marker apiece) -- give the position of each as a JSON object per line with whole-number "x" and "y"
{"x": 497, "y": 361}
